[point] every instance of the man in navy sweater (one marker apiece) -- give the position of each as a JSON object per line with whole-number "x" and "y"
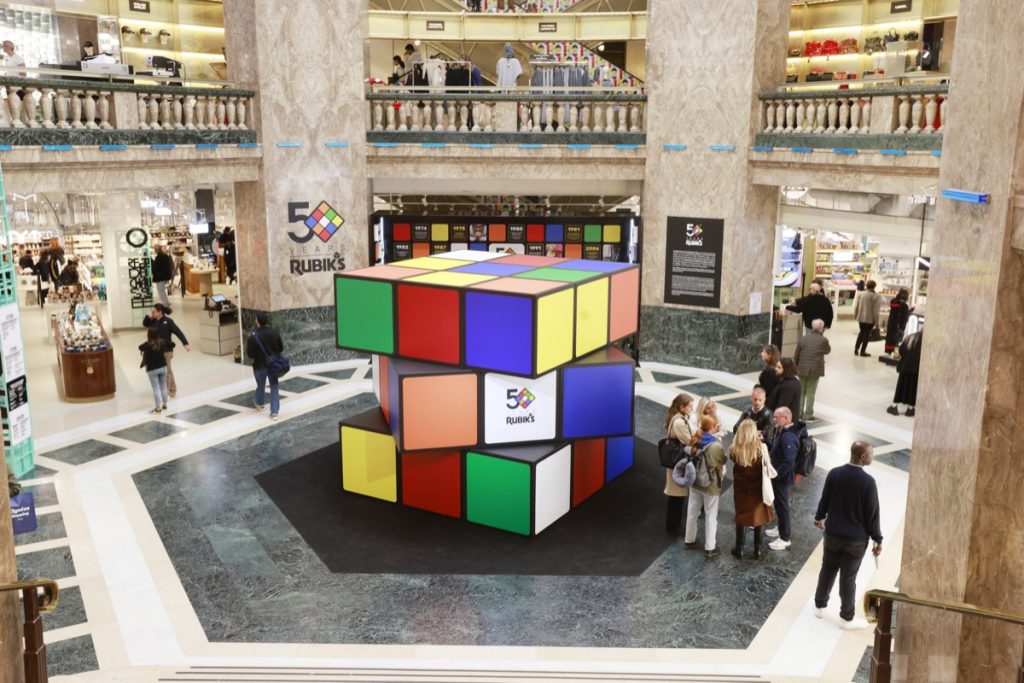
{"x": 848, "y": 512}
{"x": 784, "y": 450}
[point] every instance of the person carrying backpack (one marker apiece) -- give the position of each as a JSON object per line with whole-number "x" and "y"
{"x": 708, "y": 457}
{"x": 784, "y": 451}
{"x": 263, "y": 343}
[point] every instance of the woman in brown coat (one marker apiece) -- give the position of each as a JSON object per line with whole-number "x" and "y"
{"x": 677, "y": 425}
{"x": 747, "y": 453}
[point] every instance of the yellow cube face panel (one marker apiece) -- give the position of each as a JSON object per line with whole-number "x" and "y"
{"x": 430, "y": 263}
{"x": 369, "y": 464}
{"x": 554, "y": 330}
{"x": 450, "y": 279}
{"x": 439, "y": 232}
{"x": 612, "y": 233}
{"x": 591, "y": 316}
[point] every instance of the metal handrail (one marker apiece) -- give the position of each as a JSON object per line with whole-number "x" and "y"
{"x": 878, "y": 609}
{"x": 35, "y": 606}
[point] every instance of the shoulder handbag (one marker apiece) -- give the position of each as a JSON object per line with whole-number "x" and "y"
{"x": 767, "y": 474}
{"x": 670, "y": 449}
{"x": 277, "y": 365}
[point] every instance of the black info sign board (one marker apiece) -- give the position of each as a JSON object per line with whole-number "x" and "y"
{"x": 693, "y": 261}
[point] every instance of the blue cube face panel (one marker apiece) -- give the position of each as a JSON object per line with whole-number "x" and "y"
{"x": 595, "y": 266}
{"x": 618, "y": 456}
{"x": 554, "y": 233}
{"x": 491, "y": 269}
{"x": 597, "y": 400}
{"x": 499, "y": 332}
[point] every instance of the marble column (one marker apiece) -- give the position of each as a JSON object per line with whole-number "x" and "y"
{"x": 11, "y": 668}
{"x": 707, "y": 60}
{"x": 964, "y": 533}
{"x": 309, "y": 85}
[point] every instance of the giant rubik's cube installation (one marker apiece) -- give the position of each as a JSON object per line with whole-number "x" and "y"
{"x": 502, "y": 400}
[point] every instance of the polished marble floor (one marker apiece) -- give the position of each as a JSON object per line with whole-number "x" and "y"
{"x": 173, "y": 556}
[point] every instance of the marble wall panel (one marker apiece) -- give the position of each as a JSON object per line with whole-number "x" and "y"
{"x": 10, "y": 620}
{"x": 703, "y": 87}
{"x": 965, "y": 527}
{"x": 309, "y": 334}
{"x": 309, "y": 82}
{"x": 703, "y": 339}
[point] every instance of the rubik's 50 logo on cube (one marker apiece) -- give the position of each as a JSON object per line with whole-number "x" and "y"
{"x": 522, "y": 399}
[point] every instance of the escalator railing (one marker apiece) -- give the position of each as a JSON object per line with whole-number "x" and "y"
{"x": 35, "y": 605}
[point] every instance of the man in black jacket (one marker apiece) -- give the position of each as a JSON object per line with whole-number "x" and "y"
{"x": 264, "y": 340}
{"x": 814, "y": 306}
{"x": 784, "y": 449}
{"x": 163, "y": 273}
{"x": 848, "y": 512}
{"x": 757, "y": 412}
{"x": 160, "y": 318}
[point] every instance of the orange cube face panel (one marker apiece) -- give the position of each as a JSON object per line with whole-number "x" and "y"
{"x": 625, "y": 295}
{"x": 433, "y": 482}
{"x": 428, "y": 324}
{"x": 587, "y": 469}
{"x": 420, "y": 249}
{"x": 432, "y": 407}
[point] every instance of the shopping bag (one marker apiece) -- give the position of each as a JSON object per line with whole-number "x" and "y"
{"x": 23, "y": 513}
{"x": 767, "y": 474}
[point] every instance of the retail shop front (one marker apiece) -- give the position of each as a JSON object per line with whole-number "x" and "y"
{"x": 843, "y": 241}
{"x": 85, "y": 276}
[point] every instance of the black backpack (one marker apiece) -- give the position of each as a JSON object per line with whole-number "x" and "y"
{"x": 807, "y": 455}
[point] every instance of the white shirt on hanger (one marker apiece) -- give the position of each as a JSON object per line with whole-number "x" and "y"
{"x": 509, "y": 70}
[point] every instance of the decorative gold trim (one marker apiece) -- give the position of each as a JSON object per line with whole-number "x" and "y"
{"x": 51, "y": 591}
{"x": 874, "y": 598}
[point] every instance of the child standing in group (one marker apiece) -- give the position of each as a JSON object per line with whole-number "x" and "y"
{"x": 155, "y": 362}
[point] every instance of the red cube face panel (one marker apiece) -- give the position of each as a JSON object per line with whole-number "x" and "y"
{"x": 423, "y": 309}
{"x": 433, "y": 482}
{"x": 587, "y": 469}
{"x": 402, "y": 232}
{"x": 534, "y": 233}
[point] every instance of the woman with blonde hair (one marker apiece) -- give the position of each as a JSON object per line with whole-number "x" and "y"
{"x": 677, "y": 424}
{"x": 748, "y": 454}
{"x": 707, "y": 407}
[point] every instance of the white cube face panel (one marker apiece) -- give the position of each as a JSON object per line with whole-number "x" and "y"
{"x": 375, "y": 364}
{"x": 518, "y": 409}
{"x": 554, "y": 478}
{"x": 467, "y": 255}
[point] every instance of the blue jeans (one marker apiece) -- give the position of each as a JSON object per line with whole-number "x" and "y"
{"x": 158, "y": 380}
{"x": 262, "y": 375}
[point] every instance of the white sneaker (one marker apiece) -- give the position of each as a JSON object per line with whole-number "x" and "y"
{"x": 853, "y": 624}
{"x": 819, "y": 612}
{"x": 771, "y": 533}
{"x": 779, "y": 544}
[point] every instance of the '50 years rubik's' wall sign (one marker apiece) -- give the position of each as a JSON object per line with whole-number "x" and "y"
{"x": 310, "y": 253}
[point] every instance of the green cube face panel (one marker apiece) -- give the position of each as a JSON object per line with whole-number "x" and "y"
{"x": 517, "y": 314}
{"x": 520, "y": 489}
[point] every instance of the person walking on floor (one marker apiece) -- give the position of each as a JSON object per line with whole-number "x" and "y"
{"x": 163, "y": 273}
{"x": 758, "y": 413}
{"x": 42, "y": 269}
{"x": 848, "y": 512}
{"x": 814, "y": 306}
{"x": 787, "y": 393}
{"x": 783, "y": 458}
{"x": 156, "y": 367}
{"x": 706, "y": 497}
{"x": 810, "y": 366}
{"x": 899, "y": 314}
{"x": 769, "y": 377}
{"x": 677, "y": 424}
{"x": 748, "y": 454}
{"x": 908, "y": 367}
{"x": 264, "y": 341}
{"x": 867, "y": 311}
{"x": 160, "y": 319}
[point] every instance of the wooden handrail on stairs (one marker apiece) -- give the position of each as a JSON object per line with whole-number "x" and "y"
{"x": 35, "y": 606}
{"x": 878, "y": 608}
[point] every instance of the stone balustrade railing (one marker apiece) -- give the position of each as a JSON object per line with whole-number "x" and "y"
{"x": 866, "y": 118}
{"x": 27, "y": 104}
{"x": 492, "y": 110}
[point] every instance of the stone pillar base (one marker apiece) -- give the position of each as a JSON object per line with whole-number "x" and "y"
{"x": 703, "y": 339}
{"x": 309, "y": 334}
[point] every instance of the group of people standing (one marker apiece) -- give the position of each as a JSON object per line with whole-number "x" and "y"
{"x": 53, "y": 269}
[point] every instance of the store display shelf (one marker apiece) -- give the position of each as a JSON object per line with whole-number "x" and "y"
{"x": 170, "y": 52}
{"x": 218, "y": 28}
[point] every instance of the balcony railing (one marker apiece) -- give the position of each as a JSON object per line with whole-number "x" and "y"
{"x": 896, "y": 118}
{"x": 55, "y": 111}
{"x": 423, "y": 114}
{"x": 35, "y": 606}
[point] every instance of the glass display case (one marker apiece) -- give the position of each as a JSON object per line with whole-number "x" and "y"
{"x": 84, "y": 354}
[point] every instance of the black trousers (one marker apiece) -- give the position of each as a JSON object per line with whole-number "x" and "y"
{"x": 863, "y": 338}
{"x": 782, "y": 507}
{"x": 674, "y": 511}
{"x": 842, "y": 556}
